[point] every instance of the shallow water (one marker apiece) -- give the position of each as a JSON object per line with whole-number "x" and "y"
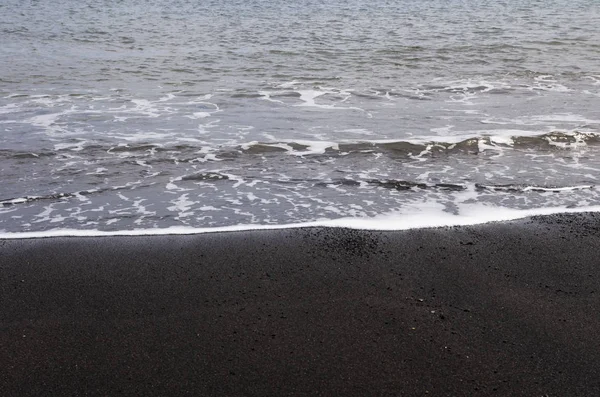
{"x": 141, "y": 115}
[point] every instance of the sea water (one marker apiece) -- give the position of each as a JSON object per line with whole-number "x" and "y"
{"x": 140, "y": 116}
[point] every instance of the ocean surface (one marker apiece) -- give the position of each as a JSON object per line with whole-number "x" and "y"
{"x": 139, "y": 116}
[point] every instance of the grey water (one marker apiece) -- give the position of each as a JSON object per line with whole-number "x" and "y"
{"x": 140, "y": 114}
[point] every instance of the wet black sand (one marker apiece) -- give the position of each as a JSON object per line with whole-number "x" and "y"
{"x": 499, "y": 309}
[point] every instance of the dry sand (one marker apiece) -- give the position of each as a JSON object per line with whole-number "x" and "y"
{"x": 499, "y": 309}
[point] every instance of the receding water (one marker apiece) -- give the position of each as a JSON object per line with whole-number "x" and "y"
{"x": 119, "y": 115}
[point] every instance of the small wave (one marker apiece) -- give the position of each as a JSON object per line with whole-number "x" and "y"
{"x": 448, "y": 144}
{"x": 57, "y": 196}
{"x": 406, "y": 185}
{"x": 529, "y": 188}
{"x": 205, "y": 176}
{"x": 134, "y": 148}
{"x": 418, "y": 147}
{"x": 17, "y": 154}
{"x": 60, "y": 196}
{"x": 339, "y": 182}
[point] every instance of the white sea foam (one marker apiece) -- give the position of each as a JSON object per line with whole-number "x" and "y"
{"x": 311, "y": 147}
{"x": 267, "y": 97}
{"x": 19, "y": 200}
{"x": 314, "y": 147}
{"x": 425, "y": 216}
{"x": 289, "y": 84}
{"x": 182, "y": 205}
{"x": 309, "y": 96}
{"x": 199, "y": 115}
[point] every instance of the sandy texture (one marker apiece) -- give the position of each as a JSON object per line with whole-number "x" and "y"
{"x": 500, "y": 309}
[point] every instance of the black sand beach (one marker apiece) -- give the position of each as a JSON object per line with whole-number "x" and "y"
{"x": 499, "y": 309}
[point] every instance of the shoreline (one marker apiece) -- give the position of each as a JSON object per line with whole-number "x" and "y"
{"x": 506, "y": 308}
{"x": 381, "y": 223}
